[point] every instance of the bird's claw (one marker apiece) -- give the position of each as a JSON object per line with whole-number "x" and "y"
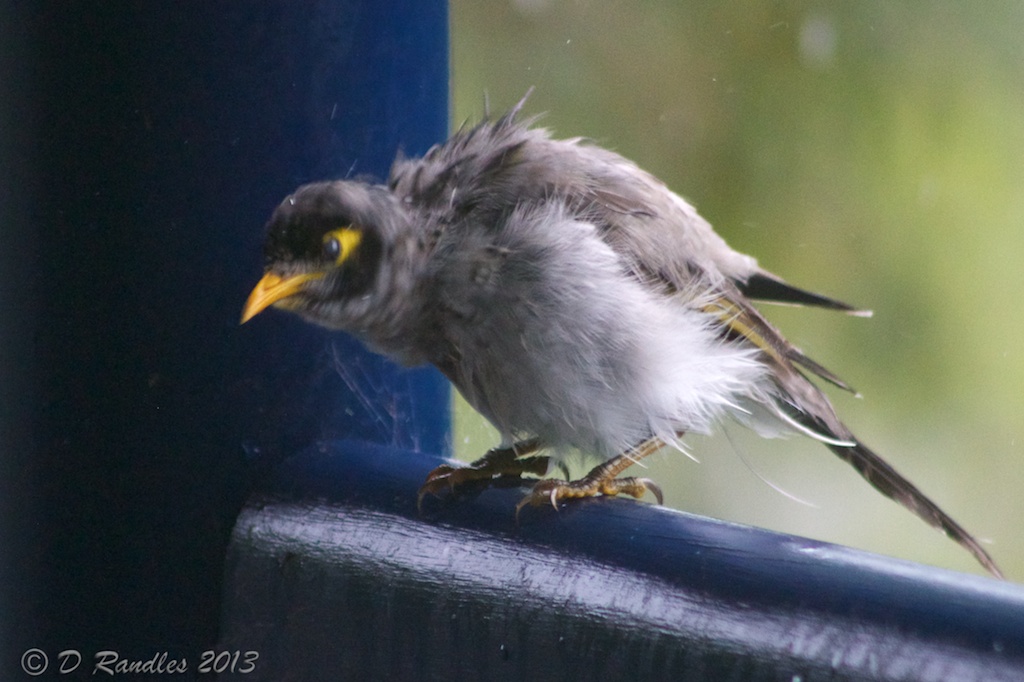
{"x": 551, "y": 490}
{"x": 448, "y": 478}
{"x": 437, "y": 481}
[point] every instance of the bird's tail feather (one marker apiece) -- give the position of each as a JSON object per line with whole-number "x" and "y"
{"x": 895, "y": 486}
{"x": 800, "y": 404}
{"x": 812, "y": 414}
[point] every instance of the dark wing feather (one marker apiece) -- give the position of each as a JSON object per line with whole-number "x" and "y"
{"x": 764, "y": 286}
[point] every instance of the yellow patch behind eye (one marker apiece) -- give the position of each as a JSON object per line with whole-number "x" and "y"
{"x": 347, "y": 240}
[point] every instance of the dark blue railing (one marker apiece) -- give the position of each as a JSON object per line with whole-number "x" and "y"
{"x": 333, "y": 569}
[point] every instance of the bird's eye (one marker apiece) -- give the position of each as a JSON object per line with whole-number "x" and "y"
{"x": 339, "y": 244}
{"x": 332, "y": 248}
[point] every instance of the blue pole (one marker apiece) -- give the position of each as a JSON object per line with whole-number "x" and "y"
{"x": 145, "y": 145}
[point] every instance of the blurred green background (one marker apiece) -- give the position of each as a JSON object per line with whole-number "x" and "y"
{"x": 873, "y": 151}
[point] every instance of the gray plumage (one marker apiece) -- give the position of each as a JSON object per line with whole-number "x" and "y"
{"x": 568, "y": 295}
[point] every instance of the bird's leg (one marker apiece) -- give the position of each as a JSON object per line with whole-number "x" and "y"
{"x": 515, "y": 461}
{"x": 600, "y": 481}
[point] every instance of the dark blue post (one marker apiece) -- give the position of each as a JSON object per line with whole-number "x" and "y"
{"x": 143, "y": 147}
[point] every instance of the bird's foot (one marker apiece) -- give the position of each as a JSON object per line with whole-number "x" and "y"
{"x": 550, "y": 491}
{"x": 499, "y": 463}
{"x": 600, "y": 481}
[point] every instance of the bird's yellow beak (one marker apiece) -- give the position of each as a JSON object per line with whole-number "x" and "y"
{"x": 273, "y": 288}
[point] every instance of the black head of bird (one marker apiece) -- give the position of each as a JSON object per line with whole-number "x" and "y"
{"x": 342, "y": 255}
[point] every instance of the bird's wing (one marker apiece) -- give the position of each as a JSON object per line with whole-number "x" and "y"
{"x": 804, "y": 406}
{"x": 635, "y": 224}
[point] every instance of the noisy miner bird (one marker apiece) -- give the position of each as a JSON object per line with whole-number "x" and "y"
{"x": 571, "y": 297}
